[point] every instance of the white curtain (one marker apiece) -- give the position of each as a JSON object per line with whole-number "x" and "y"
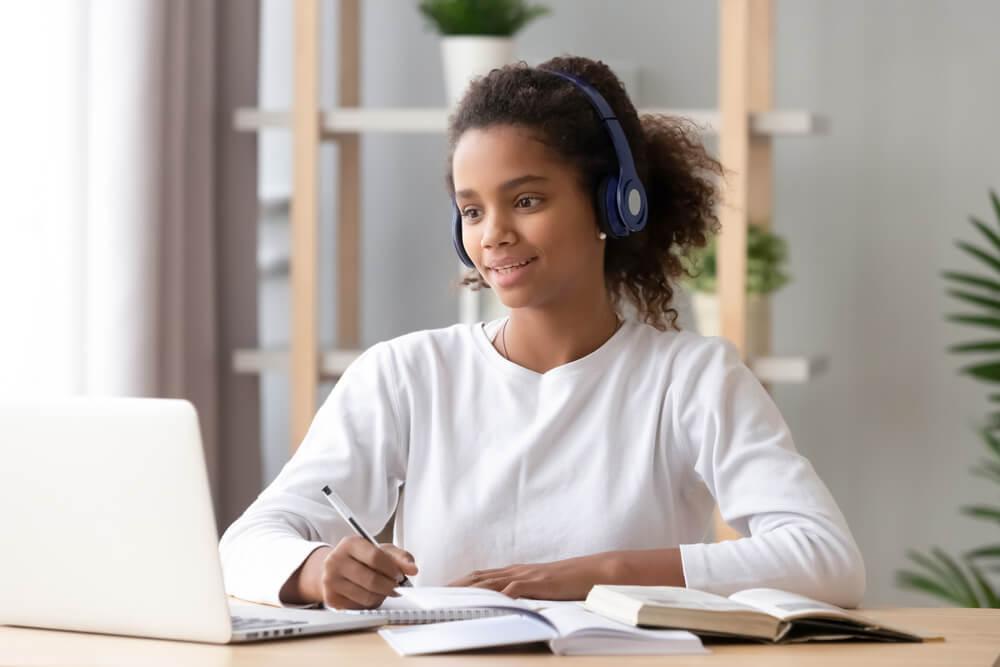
{"x": 110, "y": 264}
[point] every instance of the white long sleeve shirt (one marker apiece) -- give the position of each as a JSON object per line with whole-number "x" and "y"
{"x": 490, "y": 464}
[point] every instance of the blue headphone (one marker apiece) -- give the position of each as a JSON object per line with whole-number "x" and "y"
{"x": 621, "y": 199}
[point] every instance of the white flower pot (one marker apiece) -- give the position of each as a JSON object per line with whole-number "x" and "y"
{"x": 468, "y": 56}
{"x": 708, "y": 320}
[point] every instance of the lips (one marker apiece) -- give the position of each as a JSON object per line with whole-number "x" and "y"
{"x": 508, "y": 264}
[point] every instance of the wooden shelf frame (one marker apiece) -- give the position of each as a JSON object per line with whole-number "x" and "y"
{"x": 745, "y": 124}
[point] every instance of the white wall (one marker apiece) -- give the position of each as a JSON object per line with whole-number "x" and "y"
{"x": 869, "y": 211}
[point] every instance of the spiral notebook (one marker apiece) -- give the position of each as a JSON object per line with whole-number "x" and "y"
{"x": 434, "y": 605}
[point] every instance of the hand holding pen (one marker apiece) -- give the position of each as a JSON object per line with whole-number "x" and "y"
{"x": 358, "y": 572}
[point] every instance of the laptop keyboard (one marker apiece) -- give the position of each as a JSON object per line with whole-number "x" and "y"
{"x": 252, "y": 623}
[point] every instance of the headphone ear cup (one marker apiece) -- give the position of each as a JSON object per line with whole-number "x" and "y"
{"x": 607, "y": 208}
{"x": 456, "y": 236}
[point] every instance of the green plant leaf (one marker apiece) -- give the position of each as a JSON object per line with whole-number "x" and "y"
{"x": 480, "y": 17}
{"x": 996, "y": 203}
{"x": 982, "y": 512}
{"x": 992, "y": 551}
{"x": 992, "y": 442}
{"x": 959, "y": 581}
{"x": 987, "y": 469}
{"x": 976, "y": 320}
{"x": 988, "y": 371}
{"x": 987, "y": 232}
{"x": 940, "y": 573}
{"x": 981, "y": 255}
{"x": 975, "y": 299}
{"x": 988, "y": 595}
{"x": 924, "y": 584}
{"x": 980, "y": 346}
{"x": 969, "y": 279}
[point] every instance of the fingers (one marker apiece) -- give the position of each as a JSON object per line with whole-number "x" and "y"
{"x": 371, "y": 580}
{"x": 375, "y": 558}
{"x": 478, "y": 576}
{"x": 345, "y": 594}
{"x": 357, "y": 574}
{"x": 403, "y": 558}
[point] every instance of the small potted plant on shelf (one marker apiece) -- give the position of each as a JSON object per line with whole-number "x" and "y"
{"x": 767, "y": 256}
{"x": 477, "y": 36}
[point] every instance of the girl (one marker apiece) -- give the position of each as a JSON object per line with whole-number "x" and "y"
{"x": 565, "y": 445}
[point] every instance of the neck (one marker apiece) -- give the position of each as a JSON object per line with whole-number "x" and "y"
{"x": 542, "y": 339}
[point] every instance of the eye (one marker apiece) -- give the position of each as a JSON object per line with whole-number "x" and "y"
{"x": 470, "y": 214}
{"x": 527, "y": 198}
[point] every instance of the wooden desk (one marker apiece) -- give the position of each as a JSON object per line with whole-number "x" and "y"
{"x": 973, "y": 638}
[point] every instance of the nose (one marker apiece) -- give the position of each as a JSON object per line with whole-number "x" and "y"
{"x": 497, "y": 231}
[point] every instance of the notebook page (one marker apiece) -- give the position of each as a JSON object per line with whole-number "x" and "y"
{"x": 447, "y": 597}
{"x": 465, "y": 635}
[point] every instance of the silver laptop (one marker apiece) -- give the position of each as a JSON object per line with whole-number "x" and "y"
{"x": 107, "y": 526}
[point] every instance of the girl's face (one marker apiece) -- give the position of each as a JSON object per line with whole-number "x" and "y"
{"x": 520, "y": 203}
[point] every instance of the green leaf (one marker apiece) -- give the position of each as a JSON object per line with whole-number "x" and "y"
{"x": 933, "y": 566}
{"x": 969, "y": 279}
{"x": 989, "y": 371}
{"x": 981, "y": 255}
{"x": 924, "y": 584}
{"x": 958, "y": 578}
{"x": 480, "y": 17}
{"x": 992, "y": 442}
{"x": 989, "y": 596}
{"x": 980, "y": 346}
{"x": 987, "y": 232}
{"x": 977, "y": 320}
{"x": 992, "y": 551}
{"x": 987, "y": 469}
{"x": 982, "y": 512}
{"x": 975, "y": 299}
{"x": 996, "y": 203}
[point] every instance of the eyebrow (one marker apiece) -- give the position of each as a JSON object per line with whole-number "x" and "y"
{"x": 512, "y": 183}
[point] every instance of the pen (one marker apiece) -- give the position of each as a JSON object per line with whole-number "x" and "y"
{"x": 347, "y": 515}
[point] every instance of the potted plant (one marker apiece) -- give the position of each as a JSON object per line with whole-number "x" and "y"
{"x": 966, "y": 580}
{"x": 477, "y": 36}
{"x": 767, "y": 256}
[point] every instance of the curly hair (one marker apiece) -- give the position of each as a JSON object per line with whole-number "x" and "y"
{"x": 677, "y": 172}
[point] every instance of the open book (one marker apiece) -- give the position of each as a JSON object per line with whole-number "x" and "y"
{"x": 568, "y": 628}
{"x": 758, "y": 613}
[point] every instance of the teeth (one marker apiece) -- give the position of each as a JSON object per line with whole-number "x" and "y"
{"x": 511, "y": 266}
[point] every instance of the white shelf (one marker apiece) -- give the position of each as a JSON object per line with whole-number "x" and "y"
{"x": 789, "y": 370}
{"x": 776, "y": 370}
{"x": 332, "y": 363}
{"x": 359, "y": 120}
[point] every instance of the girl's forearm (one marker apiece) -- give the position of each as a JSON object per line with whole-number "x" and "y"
{"x": 647, "y": 567}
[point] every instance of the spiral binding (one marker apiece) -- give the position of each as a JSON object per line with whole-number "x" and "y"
{"x": 418, "y": 616}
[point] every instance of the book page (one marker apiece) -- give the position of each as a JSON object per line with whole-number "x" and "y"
{"x": 789, "y": 606}
{"x": 570, "y": 620}
{"x": 679, "y": 598}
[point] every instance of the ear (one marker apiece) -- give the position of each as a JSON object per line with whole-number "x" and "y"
{"x": 456, "y": 236}
{"x": 602, "y": 208}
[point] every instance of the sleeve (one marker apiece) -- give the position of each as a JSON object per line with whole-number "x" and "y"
{"x": 355, "y": 445}
{"x": 795, "y": 536}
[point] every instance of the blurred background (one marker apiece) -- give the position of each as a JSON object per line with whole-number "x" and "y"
{"x": 146, "y": 237}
